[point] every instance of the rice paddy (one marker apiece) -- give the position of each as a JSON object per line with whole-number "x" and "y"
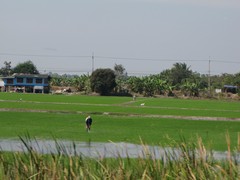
{"x": 195, "y": 127}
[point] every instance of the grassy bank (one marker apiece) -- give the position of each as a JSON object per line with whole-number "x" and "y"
{"x": 192, "y": 162}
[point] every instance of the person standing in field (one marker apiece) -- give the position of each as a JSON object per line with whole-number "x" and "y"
{"x": 88, "y": 122}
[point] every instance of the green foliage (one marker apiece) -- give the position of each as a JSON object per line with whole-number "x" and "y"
{"x": 55, "y": 81}
{"x": 119, "y": 71}
{"x": 190, "y": 89}
{"x": 121, "y": 79}
{"x": 218, "y": 81}
{"x": 6, "y": 71}
{"x": 82, "y": 83}
{"x": 103, "y": 81}
{"x": 135, "y": 84}
{"x": 179, "y": 72}
{"x": 26, "y": 67}
{"x": 168, "y": 82}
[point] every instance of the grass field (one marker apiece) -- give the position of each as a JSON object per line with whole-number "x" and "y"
{"x": 159, "y": 122}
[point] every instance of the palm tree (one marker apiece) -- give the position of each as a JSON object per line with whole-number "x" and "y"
{"x": 179, "y": 72}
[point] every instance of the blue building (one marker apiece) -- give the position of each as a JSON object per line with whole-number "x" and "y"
{"x": 31, "y": 83}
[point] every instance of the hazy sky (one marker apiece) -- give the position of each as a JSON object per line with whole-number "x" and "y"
{"x": 145, "y": 36}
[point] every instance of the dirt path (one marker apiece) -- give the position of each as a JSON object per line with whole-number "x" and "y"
{"x": 202, "y": 118}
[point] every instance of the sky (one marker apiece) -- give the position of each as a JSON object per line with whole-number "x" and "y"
{"x": 145, "y": 36}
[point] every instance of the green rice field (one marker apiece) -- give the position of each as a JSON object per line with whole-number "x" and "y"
{"x": 161, "y": 121}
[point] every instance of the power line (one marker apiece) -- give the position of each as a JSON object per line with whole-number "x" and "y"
{"x": 65, "y": 70}
{"x": 222, "y": 61}
{"x": 118, "y": 58}
{"x": 173, "y": 60}
{"x": 94, "y": 58}
{"x": 39, "y": 55}
{"x": 142, "y": 59}
{"x": 87, "y": 71}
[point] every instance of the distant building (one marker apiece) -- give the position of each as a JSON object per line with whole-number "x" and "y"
{"x": 31, "y": 83}
{"x": 230, "y": 88}
{"x": 1, "y": 84}
{"x": 218, "y": 90}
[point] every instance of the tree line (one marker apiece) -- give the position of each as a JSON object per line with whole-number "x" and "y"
{"x": 178, "y": 79}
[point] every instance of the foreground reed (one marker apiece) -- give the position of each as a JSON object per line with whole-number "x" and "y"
{"x": 191, "y": 161}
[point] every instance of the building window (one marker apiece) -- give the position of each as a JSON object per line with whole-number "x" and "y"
{"x": 29, "y": 80}
{"x": 19, "y": 80}
{"x": 39, "y": 81}
{"x": 45, "y": 81}
{"x": 9, "y": 81}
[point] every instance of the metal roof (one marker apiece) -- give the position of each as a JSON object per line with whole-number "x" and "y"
{"x": 229, "y": 86}
{"x": 15, "y": 75}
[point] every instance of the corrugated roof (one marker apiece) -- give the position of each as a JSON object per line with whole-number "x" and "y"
{"x": 27, "y": 75}
{"x": 229, "y": 86}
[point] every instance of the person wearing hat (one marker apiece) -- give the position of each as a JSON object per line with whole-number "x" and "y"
{"x": 88, "y": 122}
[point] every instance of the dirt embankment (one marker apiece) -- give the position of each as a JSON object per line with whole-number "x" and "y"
{"x": 202, "y": 118}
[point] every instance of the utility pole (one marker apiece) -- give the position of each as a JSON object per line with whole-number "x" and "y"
{"x": 92, "y": 62}
{"x": 209, "y": 77}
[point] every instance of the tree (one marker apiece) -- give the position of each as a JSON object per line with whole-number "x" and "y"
{"x": 160, "y": 85}
{"x": 55, "y": 81}
{"x": 190, "y": 88}
{"x": 237, "y": 80}
{"x": 119, "y": 70}
{"x": 6, "y": 71}
{"x": 135, "y": 84}
{"x": 149, "y": 85}
{"x": 121, "y": 77}
{"x": 82, "y": 83}
{"x": 26, "y": 67}
{"x": 103, "y": 81}
{"x": 179, "y": 73}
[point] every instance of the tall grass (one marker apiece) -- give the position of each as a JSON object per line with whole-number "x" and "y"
{"x": 191, "y": 161}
